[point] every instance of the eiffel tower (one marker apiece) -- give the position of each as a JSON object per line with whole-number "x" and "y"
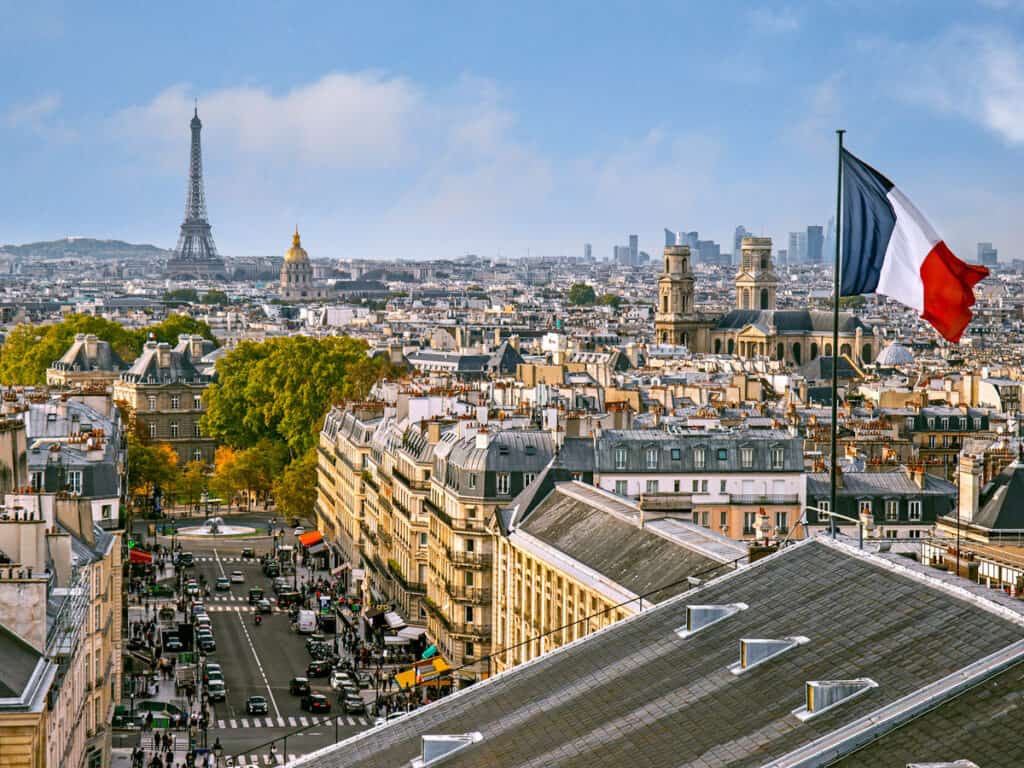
{"x": 195, "y": 256}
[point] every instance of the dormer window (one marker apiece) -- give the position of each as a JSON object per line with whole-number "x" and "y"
{"x": 823, "y": 695}
{"x": 699, "y": 458}
{"x": 778, "y": 457}
{"x": 652, "y": 458}
{"x": 621, "y": 457}
{"x": 746, "y": 457}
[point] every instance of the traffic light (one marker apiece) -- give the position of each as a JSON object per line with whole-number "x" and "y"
{"x": 131, "y": 543}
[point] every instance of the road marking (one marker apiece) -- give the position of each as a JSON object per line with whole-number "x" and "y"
{"x": 303, "y": 722}
{"x": 220, "y": 723}
{"x": 351, "y": 721}
{"x": 245, "y": 723}
{"x": 280, "y": 722}
{"x": 291, "y": 722}
{"x": 233, "y": 724}
{"x": 259, "y": 665}
{"x": 219, "y": 564}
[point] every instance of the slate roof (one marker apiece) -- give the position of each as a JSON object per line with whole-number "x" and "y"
{"x": 604, "y": 534}
{"x": 507, "y": 450}
{"x": 18, "y": 662}
{"x": 820, "y": 369}
{"x": 637, "y": 694}
{"x": 791, "y": 321}
{"x": 77, "y": 356}
{"x": 896, "y": 483}
{"x": 1000, "y": 503}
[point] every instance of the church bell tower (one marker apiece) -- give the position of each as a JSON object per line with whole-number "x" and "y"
{"x": 673, "y": 316}
{"x": 756, "y": 283}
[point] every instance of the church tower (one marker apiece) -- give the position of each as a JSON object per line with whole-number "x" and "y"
{"x": 297, "y": 272}
{"x": 756, "y": 282}
{"x": 673, "y": 317}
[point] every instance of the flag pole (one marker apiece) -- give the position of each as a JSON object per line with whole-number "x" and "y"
{"x": 835, "y": 331}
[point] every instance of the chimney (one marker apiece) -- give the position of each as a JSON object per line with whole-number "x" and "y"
{"x": 916, "y": 473}
{"x": 91, "y": 346}
{"x": 970, "y": 481}
{"x": 839, "y": 477}
{"x": 195, "y": 345}
{"x": 434, "y": 432}
{"x": 163, "y": 354}
{"x": 483, "y": 439}
{"x": 514, "y": 341}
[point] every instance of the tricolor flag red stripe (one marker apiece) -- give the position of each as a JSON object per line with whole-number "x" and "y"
{"x": 890, "y": 248}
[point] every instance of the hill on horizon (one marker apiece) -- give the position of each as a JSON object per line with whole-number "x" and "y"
{"x": 85, "y": 247}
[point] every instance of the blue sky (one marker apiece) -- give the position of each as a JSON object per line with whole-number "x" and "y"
{"x": 437, "y": 129}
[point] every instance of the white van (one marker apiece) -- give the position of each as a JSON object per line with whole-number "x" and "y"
{"x": 306, "y": 622}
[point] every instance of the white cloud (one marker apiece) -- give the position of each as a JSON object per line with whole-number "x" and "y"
{"x": 32, "y": 114}
{"x": 977, "y": 73}
{"x": 773, "y": 22}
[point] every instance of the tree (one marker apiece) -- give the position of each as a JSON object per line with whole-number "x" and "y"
{"x": 216, "y": 297}
{"x": 183, "y": 294}
{"x": 610, "y": 300}
{"x": 295, "y": 489}
{"x": 173, "y": 326}
{"x": 582, "y": 295}
{"x": 225, "y": 481}
{"x": 152, "y": 468}
{"x": 191, "y": 483}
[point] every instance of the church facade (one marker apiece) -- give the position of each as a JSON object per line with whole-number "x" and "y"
{"x": 756, "y": 327}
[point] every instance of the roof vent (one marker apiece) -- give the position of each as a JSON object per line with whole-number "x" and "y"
{"x": 436, "y": 748}
{"x": 822, "y": 695}
{"x": 700, "y": 616}
{"x": 757, "y": 651}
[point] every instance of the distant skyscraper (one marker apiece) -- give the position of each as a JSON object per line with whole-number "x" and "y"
{"x": 195, "y": 255}
{"x": 671, "y": 238}
{"x": 737, "y": 243}
{"x": 797, "y": 247}
{"x": 588, "y": 252}
{"x": 691, "y": 239}
{"x": 987, "y": 255}
{"x": 620, "y": 254}
{"x": 782, "y": 257}
{"x": 829, "y": 248}
{"x": 710, "y": 251}
{"x": 634, "y": 250}
{"x": 815, "y": 240}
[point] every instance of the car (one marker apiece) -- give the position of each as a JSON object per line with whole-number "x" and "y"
{"x": 348, "y": 688}
{"x": 210, "y": 668}
{"x": 316, "y": 702}
{"x": 223, "y": 584}
{"x": 203, "y": 622}
{"x": 213, "y": 675}
{"x": 298, "y": 686}
{"x": 298, "y": 531}
{"x": 338, "y": 679}
{"x": 248, "y": 553}
{"x": 216, "y": 691}
{"x": 354, "y": 705}
{"x": 237, "y": 577}
{"x": 271, "y": 568}
{"x": 264, "y": 606}
{"x": 318, "y": 669}
{"x": 173, "y": 644}
{"x": 191, "y": 588}
{"x": 186, "y": 559}
{"x": 281, "y": 584}
{"x": 363, "y": 679}
{"x": 256, "y": 705}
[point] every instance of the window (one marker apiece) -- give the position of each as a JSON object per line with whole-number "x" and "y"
{"x": 749, "y": 521}
{"x": 781, "y": 522}
{"x": 621, "y": 487}
{"x": 892, "y": 510}
{"x": 577, "y": 476}
{"x": 864, "y": 505}
{"x": 528, "y": 478}
{"x": 75, "y": 481}
{"x": 723, "y": 454}
{"x": 503, "y": 483}
{"x": 469, "y": 650}
{"x": 106, "y": 511}
{"x": 931, "y": 422}
{"x": 676, "y": 454}
{"x": 151, "y": 402}
{"x": 824, "y": 507}
{"x": 152, "y": 430}
{"x": 173, "y": 426}
{"x": 704, "y": 518}
{"x": 423, "y": 540}
{"x": 963, "y": 422}
{"x": 723, "y": 520}
{"x": 778, "y": 457}
{"x": 175, "y": 402}
{"x": 652, "y": 458}
{"x": 620, "y": 457}
{"x": 910, "y": 423}
{"x": 675, "y": 486}
{"x": 698, "y": 458}
{"x": 471, "y": 545}
{"x": 914, "y": 510}
{"x": 196, "y": 430}
{"x": 914, "y": 534}
{"x": 96, "y": 619}
{"x": 36, "y": 479}
{"x": 931, "y": 441}
{"x": 746, "y": 457}
{"x": 469, "y": 579}
{"x": 197, "y": 402}
{"x": 703, "y": 486}
{"x": 652, "y": 486}
{"x": 944, "y": 423}
{"x": 197, "y": 455}
{"x": 696, "y": 486}
{"x": 472, "y": 481}
{"x": 721, "y": 486}
{"x": 468, "y": 609}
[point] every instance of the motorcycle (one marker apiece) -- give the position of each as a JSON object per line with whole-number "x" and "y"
{"x": 258, "y": 619}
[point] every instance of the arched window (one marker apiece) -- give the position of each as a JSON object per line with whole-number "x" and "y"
{"x": 814, "y": 350}
{"x": 684, "y": 265}
{"x": 764, "y": 298}
{"x": 797, "y": 356}
{"x": 664, "y": 303}
{"x": 731, "y": 347}
{"x": 666, "y": 264}
{"x": 718, "y": 346}
{"x": 764, "y": 263}
{"x": 780, "y": 351}
{"x": 844, "y": 350}
{"x": 865, "y": 353}
{"x": 744, "y": 299}
{"x": 828, "y": 350}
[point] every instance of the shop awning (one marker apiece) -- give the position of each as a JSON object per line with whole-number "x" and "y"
{"x": 316, "y": 548}
{"x": 139, "y": 556}
{"x": 310, "y": 538}
{"x": 393, "y": 620}
{"x": 412, "y": 633}
{"x": 340, "y": 569}
{"x": 427, "y": 672}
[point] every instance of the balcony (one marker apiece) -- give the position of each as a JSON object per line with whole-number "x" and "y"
{"x": 782, "y": 498}
{"x": 369, "y": 480}
{"x": 474, "y": 524}
{"x": 477, "y": 595}
{"x": 435, "y": 610}
{"x": 470, "y": 559}
{"x": 367, "y": 531}
{"x": 408, "y": 482}
{"x": 438, "y": 512}
{"x": 472, "y": 631}
{"x": 401, "y": 508}
{"x": 386, "y": 538}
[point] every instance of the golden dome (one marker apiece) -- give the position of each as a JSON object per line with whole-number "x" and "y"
{"x": 296, "y": 253}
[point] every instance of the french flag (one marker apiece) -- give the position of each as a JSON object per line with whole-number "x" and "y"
{"x": 890, "y": 248}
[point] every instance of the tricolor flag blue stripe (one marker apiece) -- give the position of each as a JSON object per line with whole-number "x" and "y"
{"x": 889, "y": 248}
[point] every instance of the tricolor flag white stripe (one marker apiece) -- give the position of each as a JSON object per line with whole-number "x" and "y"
{"x": 890, "y": 248}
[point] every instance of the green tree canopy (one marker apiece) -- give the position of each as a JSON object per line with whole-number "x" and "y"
{"x": 610, "y": 300}
{"x": 183, "y": 294}
{"x": 30, "y": 349}
{"x": 216, "y": 297}
{"x": 582, "y": 294}
{"x": 295, "y": 489}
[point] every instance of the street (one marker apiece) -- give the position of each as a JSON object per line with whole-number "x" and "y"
{"x": 258, "y": 660}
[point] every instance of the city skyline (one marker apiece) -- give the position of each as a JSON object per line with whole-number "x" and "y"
{"x": 382, "y": 144}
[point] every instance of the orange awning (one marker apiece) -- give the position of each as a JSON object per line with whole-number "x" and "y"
{"x": 310, "y": 538}
{"x": 139, "y": 556}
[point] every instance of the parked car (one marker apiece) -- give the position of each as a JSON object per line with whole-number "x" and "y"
{"x": 186, "y": 559}
{"x": 211, "y": 667}
{"x": 298, "y": 686}
{"x": 318, "y": 669}
{"x": 256, "y": 705}
{"x": 248, "y": 553}
{"x": 214, "y": 675}
{"x": 216, "y": 691}
{"x": 354, "y": 705}
{"x": 264, "y": 606}
{"x": 237, "y": 577}
{"x": 316, "y": 702}
{"x": 173, "y": 644}
{"x": 338, "y": 679}
{"x": 223, "y": 584}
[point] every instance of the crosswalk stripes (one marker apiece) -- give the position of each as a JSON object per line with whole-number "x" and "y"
{"x": 265, "y": 759}
{"x": 305, "y": 721}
